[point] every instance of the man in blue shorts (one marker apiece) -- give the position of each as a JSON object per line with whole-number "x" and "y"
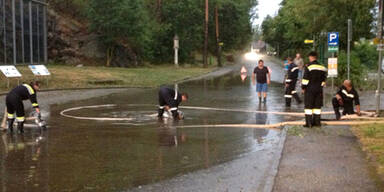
{"x": 262, "y": 75}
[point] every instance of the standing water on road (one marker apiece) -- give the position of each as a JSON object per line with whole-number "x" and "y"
{"x": 115, "y": 155}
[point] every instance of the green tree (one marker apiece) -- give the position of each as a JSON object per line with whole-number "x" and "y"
{"x": 123, "y": 26}
{"x": 298, "y": 20}
{"x": 357, "y": 70}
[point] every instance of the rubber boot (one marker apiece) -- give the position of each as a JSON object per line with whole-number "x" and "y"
{"x": 288, "y": 102}
{"x": 20, "y": 127}
{"x": 259, "y": 99}
{"x": 308, "y": 121}
{"x": 297, "y": 98}
{"x": 10, "y": 125}
{"x": 337, "y": 113}
{"x": 316, "y": 120}
{"x": 160, "y": 112}
{"x": 265, "y": 100}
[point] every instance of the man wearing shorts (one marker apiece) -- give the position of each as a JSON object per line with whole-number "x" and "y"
{"x": 262, "y": 75}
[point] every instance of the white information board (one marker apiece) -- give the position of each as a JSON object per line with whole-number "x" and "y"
{"x": 10, "y": 71}
{"x": 39, "y": 70}
{"x": 332, "y": 67}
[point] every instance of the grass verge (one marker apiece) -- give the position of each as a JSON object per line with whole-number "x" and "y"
{"x": 372, "y": 140}
{"x": 67, "y": 77}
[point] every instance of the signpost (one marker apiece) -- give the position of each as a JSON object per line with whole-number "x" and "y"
{"x": 10, "y": 71}
{"x": 379, "y": 48}
{"x": 40, "y": 70}
{"x": 349, "y": 45}
{"x": 333, "y": 47}
{"x": 176, "y": 47}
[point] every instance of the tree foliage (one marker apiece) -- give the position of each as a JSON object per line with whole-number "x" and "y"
{"x": 298, "y": 20}
{"x": 143, "y": 30}
{"x": 122, "y": 25}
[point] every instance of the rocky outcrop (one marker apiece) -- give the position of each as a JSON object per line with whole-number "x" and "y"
{"x": 70, "y": 42}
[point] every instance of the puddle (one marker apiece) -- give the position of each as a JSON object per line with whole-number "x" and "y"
{"x": 110, "y": 155}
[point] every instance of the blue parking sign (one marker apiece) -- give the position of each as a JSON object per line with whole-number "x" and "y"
{"x": 333, "y": 39}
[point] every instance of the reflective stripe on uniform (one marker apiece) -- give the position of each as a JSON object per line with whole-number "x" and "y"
{"x": 346, "y": 94}
{"x": 35, "y": 105}
{"x": 11, "y": 116}
{"x": 173, "y": 109}
{"x": 161, "y": 107}
{"x": 317, "y": 111}
{"x": 30, "y": 89}
{"x": 175, "y": 95}
{"x": 308, "y": 111}
{"x": 288, "y": 96}
{"x": 20, "y": 119}
{"x": 288, "y": 80}
{"x": 304, "y": 82}
{"x": 317, "y": 67}
{"x": 293, "y": 92}
{"x": 294, "y": 69}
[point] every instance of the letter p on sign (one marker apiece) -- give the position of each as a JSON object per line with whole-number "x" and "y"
{"x": 333, "y": 39}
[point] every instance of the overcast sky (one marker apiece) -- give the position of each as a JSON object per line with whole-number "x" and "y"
{"x": 266, "y": 7}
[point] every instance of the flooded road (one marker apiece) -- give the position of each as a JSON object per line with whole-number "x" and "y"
{"x": 139, "y": 151}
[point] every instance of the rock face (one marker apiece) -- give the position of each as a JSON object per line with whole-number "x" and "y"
{"x": 70, "y": 42}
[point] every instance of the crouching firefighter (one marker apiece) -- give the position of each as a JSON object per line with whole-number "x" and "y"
{"x": 169, "y": 100}
{"x": 290, "y": 83}
{"x": 345, "y": 98}
{"x": 312, "y": 84}
{"x": 14, "y": 103}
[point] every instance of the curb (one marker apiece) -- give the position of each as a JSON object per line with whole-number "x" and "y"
{"x": 270, "y": 181}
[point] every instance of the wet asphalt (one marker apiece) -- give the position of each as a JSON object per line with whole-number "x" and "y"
{"x": 87, "y": 155}
{"x": 145, "y": 154}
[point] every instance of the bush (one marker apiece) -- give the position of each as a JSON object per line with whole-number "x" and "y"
{"x": 367, "y": 53}
{"x": 357, "y": 70}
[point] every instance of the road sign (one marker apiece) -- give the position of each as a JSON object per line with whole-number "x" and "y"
{"x": 10, "y": 71}
{"x": 332, "y": 67}
{"x": 308, "y": 41}
{"x": 333, "y": 48}
{"x": 380, "y": 47}
{"x": 333, "y": 39}
{"x": 377, "y": 41}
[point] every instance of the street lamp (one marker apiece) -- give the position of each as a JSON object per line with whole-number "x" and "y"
{"x": 176, "y": 47}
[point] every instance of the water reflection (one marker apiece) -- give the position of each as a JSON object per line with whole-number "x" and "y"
{"x": 169, "y": 136}
{"x": 83, "y": 155}
{"x": 21, "y": 162}
{"x": 261, "y": 118}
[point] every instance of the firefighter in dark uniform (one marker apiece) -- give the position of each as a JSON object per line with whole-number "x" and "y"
{"x": 169, "y": 100}
{"x": 290, "y": 83}
{"x": 14, "y": 103}
{"x": 312, "y": 84}
{"x": 345, "y": 98}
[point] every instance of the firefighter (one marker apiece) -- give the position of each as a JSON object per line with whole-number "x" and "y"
{"x": 290, "y": 83}
{"x": 169, "y": 100}
{"x": 345, "y": 98}
{"x": 14, "y": 103}
{"x": 312, "y": 85}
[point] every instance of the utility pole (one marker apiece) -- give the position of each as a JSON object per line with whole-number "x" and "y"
{"x": 218, "y": 44}
{"x": 205, "y": 56}
{"x": 349, "y": 47}
{"x": 380, "y": 47}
